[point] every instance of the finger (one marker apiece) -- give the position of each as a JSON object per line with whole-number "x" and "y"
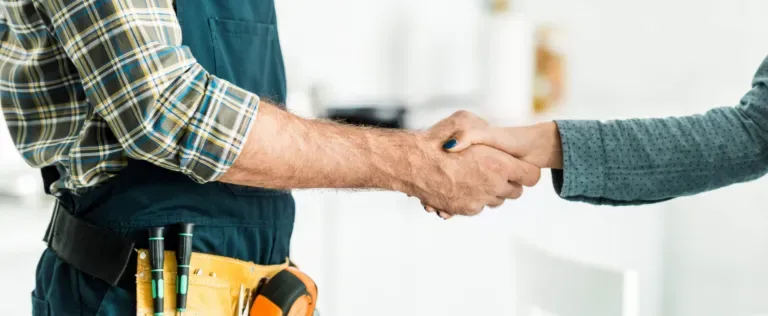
{"x": 464, "y": 138}
{"x": 467, "y": 119}
{"x": 474, "y": 209}
{"x": 496, "y": 202}
{"x": 430, "y": 209}
{"x": 444, "y": 215}
{"x": 496, "y": 137}
{"x": 523, "y": 173}
{"x": 512, "y": 191}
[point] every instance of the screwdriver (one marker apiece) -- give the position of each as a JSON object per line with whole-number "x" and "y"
{"x": 156, "y": 262}
{"x": 183, "y": 256}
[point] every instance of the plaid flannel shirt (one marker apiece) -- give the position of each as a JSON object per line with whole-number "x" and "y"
{"x": 88, "y": 84}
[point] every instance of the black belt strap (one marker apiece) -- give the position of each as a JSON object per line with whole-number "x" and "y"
{"x": 96, "y": 251}
{"x": 50, "y": 175}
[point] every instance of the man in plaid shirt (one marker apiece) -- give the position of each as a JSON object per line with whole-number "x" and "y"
{"x": 146, "y": 129}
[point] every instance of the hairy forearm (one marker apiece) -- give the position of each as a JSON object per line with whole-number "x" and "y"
{"x": 284, "y": 151}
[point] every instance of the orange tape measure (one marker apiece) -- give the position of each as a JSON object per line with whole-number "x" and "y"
{"x": 289, "y": 293}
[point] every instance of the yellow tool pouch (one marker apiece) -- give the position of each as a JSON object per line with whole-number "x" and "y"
{"x": 214, "y": 283}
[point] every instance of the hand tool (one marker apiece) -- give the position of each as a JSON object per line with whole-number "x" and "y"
{"x": 247, "y": 307}
{"x": 241, "y": 301}
{"x": 156, "y": 261}
{"x": 183, "y": 256}
{"x": 289, "y": 293}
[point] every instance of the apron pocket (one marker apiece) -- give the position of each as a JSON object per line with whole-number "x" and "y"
{"x": 248, "y": 55}
{"x": 207, "y": 295}
{"x": 39, "y": 307}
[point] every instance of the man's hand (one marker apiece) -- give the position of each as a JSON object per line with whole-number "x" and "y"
{"x": 537, "y": 144}
{"x": 464, "y": 183}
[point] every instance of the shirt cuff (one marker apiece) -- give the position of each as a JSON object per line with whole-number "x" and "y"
{"x": 219, "y": 131}
{"x": 583, "y": 174}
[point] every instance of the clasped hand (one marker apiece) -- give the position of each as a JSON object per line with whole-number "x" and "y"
{"x": 473, "y": 166}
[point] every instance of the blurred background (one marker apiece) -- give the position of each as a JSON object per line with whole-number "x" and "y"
{"x": 409, "y": 63}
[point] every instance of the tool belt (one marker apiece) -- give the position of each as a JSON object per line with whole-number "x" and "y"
{"x": 216, "y": 285}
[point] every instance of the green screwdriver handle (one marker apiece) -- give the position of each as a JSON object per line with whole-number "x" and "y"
{"x": 183, "y": 257}
{"x": 156, "y": 262}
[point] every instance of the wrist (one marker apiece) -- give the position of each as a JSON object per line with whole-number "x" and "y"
{"x": 400, "y": 156}
{"x": 540, "y": 144}
{"x": 421, "y": 164}
{"x": 549, "y": 145}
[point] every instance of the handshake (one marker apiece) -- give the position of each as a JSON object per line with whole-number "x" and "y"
{"x": 466, "y": 165}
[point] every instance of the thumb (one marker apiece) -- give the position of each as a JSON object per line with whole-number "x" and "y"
{"x": 466, "y": 138}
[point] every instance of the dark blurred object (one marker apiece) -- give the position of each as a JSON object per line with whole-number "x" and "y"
{"x": 384, "y": 117}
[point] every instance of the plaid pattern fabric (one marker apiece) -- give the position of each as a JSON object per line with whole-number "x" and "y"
{"x": 88, "y": 84}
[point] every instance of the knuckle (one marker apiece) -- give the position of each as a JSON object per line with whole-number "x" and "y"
{"x": 496, "y": 203}
{"x": 478, "y": 122}
{"x": 467, "y": 119}
{"x": 503, "y": 189}
{"x": 516, "y": 192}
{"x": 533, "y": 176}
{"x": 478, "y": 208}
{"x": 462, "y": 114}
{"x": 471, "y": 209}
{"x": 510, "y": 170}
{"x": 498, "y": 166}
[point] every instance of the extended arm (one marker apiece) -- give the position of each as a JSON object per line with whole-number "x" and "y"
{"x": 286, "y": 151}
{"x": 625, "y": 162}
{"x": 641, "y": 161}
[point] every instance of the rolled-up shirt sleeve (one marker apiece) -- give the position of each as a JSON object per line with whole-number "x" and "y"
{"x": 161, "y": 105}
{"x": 639, "y": 161}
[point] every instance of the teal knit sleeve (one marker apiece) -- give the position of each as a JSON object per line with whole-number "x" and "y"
{"x": 640, "y": 161}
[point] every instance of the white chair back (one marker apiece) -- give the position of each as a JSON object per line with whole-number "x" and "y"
{"x": 548, "y": 285}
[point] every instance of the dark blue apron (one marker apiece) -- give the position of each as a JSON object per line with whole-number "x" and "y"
{"x": 236, "y": 40}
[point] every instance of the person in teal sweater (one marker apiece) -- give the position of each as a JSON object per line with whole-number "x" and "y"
{"x": 641, "y": 161}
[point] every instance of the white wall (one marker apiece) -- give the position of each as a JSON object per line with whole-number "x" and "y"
{"x": 381, "y": 50}
{"x": 625, "y": 59}
{"x": 656, "y": 58}
{"x": 717, "y": 253}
